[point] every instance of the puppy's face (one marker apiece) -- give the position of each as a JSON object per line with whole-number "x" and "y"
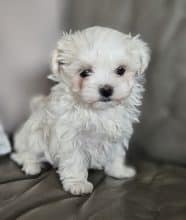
{"x": 99, "y": 65}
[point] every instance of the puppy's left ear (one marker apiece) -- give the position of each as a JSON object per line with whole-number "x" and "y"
{"x": 143, "y": 52}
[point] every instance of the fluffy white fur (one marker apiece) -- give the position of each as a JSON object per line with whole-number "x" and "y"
{"x": 74, "y": 128}
{"x": 5, "y": 147}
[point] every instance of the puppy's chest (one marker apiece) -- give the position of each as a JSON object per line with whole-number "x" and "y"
{"x": 101, "y": 129}
{"x": 96, "y": 143}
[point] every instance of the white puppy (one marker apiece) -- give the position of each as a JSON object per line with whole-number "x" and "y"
{"x": 87, "y": 120}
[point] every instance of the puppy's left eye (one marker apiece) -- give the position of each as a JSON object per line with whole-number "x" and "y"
{"x": 85, "y": 73}
{"x": 120, "y": 70}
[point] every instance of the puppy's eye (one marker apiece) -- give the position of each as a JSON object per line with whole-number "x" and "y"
{"x": 120, "y": 70}
{"x": 85, "y": 73}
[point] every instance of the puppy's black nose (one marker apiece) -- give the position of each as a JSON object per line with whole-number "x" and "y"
{"x": 106, "y": 91}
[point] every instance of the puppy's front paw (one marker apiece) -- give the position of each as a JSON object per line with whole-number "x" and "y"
{"x": 31, "y": 169}
{"x": 78, "y": 187}
{"x": 121, "y": 172}
{"x": 129, "y": 172}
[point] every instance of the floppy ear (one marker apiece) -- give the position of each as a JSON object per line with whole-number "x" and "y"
{"x": 143, "y": 52}
{"x": 56, "y": 67}
{"x": 62, "y": 56}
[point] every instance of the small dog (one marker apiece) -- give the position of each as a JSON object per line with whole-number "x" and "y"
{"x": 87, "y": 120}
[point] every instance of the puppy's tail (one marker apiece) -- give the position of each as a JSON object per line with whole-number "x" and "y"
{"x": 37, "y": 102}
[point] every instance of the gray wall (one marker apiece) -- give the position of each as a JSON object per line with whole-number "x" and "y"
{"x": 162, "y": 23}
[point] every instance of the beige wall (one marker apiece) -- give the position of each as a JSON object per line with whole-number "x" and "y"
{"x": 29, "y": 30}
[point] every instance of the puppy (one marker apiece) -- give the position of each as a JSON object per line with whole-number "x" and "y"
{"x": 87, "y": 120}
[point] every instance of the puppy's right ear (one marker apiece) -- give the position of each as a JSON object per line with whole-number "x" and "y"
{"x": 56, "y": 67}
{"x": 64, "y": 54}
{"x": 60, "y": 56}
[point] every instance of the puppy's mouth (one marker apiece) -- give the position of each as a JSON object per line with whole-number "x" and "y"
{"x": 103, "y": 99}
{"x": 105, "y": 102}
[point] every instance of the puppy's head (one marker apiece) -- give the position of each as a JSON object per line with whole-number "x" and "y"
{"x": 99, "y": 64}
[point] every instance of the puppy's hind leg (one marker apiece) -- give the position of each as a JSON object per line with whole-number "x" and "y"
{"x": 116, "y": 167}
{"x": 29, "y": 162}
{"x": 119, "y": 170}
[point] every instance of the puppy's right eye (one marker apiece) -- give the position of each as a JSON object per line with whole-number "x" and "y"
{"x": 85, "y": 73}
